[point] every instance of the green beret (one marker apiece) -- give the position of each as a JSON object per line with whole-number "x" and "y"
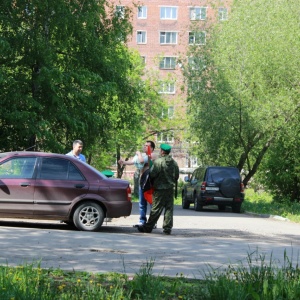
{"x": 108, "y": 173}
{"x": 165, "y": 147}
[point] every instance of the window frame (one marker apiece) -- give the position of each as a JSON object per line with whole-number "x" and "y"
{"x": 164, "y": 35}
{"x": 165, "y": 65}
{"x": 144, "y": 37}
{"x": 169, "y": 112}
{"x": 195, "y": 37}
{"x": 163, "y": 13}
{"x": 223, "y": 14}
{"x": 199, "y": 16}
{"x": 143, "y": 10}
{"x": 170, "y": 88}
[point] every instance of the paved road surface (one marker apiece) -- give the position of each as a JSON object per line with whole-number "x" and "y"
{"x": 198, "y": 240}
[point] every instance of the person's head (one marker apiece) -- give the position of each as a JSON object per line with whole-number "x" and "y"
{"x": 149, "y": 143}
{"x": 165, "y": 149}
{"x": 77, "y": 147}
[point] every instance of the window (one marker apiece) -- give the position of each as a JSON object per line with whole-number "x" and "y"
{"x": 141, "y": 37}
{"x": 168, "y": 63}
{"x": 168, "y": 13}
{"x": 165, "y": 137}
{"x": 169, "y": 112}
{"x": 21, "y": 167}
{"x": 197, "y": 38}
{"x": 59, "y": 169}
{"x": 198, "y": 13}
{"x": 168, "y": 37}
{"x": 167, "y": 88}
{"x": 142, "y": 12}
{"x": 223, "y": 14}
{"x": 120, "y": 11}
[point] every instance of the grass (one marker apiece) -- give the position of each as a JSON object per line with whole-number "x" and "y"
{"x": 263, "y": 203}
{"x": 258, "y": 279}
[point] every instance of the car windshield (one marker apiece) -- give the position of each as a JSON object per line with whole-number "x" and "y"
{"x": 218, "y": 175}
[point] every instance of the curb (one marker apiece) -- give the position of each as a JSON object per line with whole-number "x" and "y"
{"x": 279, "y": 218}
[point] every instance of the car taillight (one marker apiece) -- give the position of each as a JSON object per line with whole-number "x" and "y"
{"x": 242, "y": 188}
{"x": 203, "y": 186}
{"x": 128, "y": 193}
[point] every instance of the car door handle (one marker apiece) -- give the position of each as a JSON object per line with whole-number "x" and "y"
{"x": 79, "y": 186}
{"x": 25, "y": 184}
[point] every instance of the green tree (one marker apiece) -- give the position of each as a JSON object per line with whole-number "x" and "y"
{"x": 244, "y": 90}
{"x": 64, "y": 69}
{"x": 280, "y": 171}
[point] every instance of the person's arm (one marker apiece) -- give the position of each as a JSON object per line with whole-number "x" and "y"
{"x": 125, "y": 162}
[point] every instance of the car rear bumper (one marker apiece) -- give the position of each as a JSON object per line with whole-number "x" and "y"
{"x": 208, "y": 200}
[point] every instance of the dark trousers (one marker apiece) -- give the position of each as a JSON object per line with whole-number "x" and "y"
{"x": 162, "y": 200}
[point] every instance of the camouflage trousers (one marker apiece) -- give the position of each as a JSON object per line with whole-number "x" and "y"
{"x": 162, "y": 200}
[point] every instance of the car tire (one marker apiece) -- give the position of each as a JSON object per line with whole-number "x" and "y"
{"x": 185, "y": 203}
{"x": 222, "y": 207}
{"x": 230, "y": 187}
{"x": 236, "y": 207}
{"x": 197, "y": 205}
{"x": 88, "y": 216}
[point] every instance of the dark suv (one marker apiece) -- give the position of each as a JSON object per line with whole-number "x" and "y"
{"x": 221, "y": 186}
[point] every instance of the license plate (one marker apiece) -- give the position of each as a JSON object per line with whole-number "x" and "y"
{"x": 212, "y": 188}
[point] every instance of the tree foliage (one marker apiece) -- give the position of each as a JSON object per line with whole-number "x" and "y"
{"x": 65, "y": 73}
{"x": 280, "y": 172}
{"x": 247, "y": 83}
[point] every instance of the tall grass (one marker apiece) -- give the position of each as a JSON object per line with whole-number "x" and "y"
{"x": 257, "y": 279}
{"x": 263, "y": 203}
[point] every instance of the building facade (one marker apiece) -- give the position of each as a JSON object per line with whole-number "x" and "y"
{"x": 163, "y": 31}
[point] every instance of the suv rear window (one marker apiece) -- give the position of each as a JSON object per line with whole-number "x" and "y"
{"x": 218, "y": 174}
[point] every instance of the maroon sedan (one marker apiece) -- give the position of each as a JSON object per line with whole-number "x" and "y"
{"x": 39, "y": 185}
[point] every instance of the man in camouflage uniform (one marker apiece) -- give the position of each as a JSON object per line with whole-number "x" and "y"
{"x": 164, "y": 174}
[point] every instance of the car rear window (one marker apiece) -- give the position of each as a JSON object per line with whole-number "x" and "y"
{"x": 218, "y": 175}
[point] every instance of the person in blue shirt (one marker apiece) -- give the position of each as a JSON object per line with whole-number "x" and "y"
{"x": 141, "y": 162}
{"x": 77, "y": 149}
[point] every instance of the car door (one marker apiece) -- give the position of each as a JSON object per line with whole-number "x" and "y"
{"x": 191, "y": 185}
{"x": 58, "y": 183}
{"x": 17, "y": 185}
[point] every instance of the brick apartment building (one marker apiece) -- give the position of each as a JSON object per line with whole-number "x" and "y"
{"x": 162, "y": 33}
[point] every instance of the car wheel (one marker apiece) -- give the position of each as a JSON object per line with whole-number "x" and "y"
{"x": 230, "y": 187}
{"x": 236, "y": 207}
{"x": 88, "y": 216}
{"x": 197, "y": 205}
{"x": 185, "y": 202}
{"x": 222, "y": 207}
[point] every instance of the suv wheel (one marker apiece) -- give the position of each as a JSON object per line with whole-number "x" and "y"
{"x": 88, "y": 216}
{"x": 197, "y": 205}
{"x": 185, "y": 202}
{"x": 236, "y": 207}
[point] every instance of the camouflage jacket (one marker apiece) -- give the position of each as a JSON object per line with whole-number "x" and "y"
{"x": 164, "y": 173}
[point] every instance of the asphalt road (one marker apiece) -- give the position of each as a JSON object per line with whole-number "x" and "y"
{"x": 199, "y": 241}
